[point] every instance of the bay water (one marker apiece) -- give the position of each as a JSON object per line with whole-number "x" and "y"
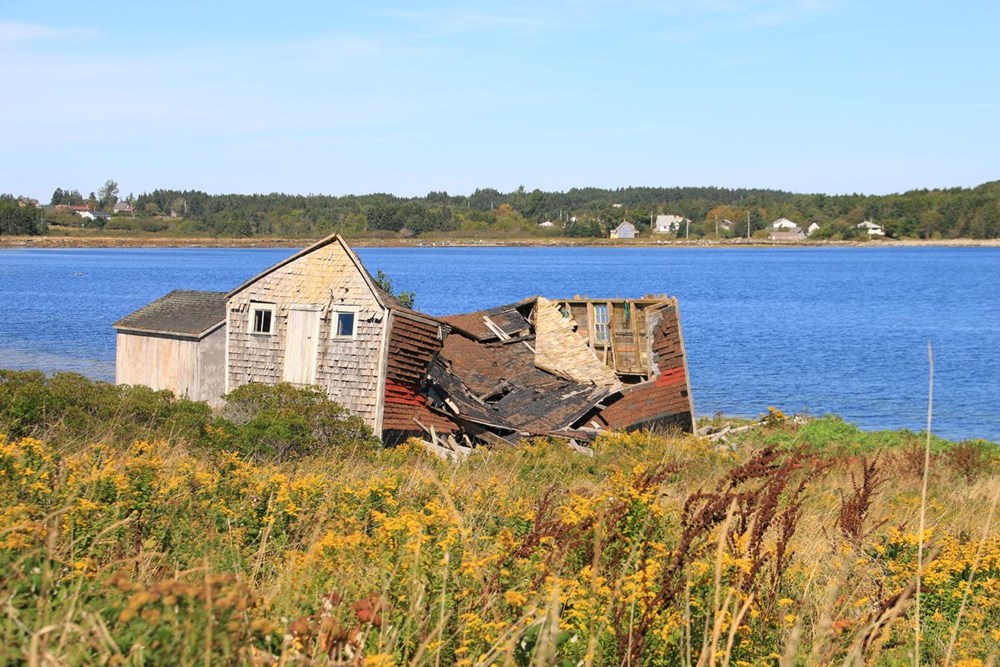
{"x": 819, "y": 330}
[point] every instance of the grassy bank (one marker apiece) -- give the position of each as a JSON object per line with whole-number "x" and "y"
{"x": 135, "y": 529}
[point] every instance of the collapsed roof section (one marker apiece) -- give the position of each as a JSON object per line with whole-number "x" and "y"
{"x": 566, "y": 368}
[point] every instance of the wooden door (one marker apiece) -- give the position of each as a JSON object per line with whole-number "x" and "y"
{"x": 301, "y": 346}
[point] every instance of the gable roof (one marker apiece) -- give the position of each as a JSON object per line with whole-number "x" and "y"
{"x": 784, "y": 222}
{"x": 382, "y": 298}
{"x": 180, "y": 313}
{"x": 379, "y": 295}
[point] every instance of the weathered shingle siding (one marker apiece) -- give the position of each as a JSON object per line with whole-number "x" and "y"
{"x": 326, "y": 277}
{"x": 413, "y": 344}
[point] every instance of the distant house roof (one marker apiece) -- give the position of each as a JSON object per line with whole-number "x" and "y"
{"x": 870, "y": 226}
{"x": 122, "y": 206}
{"x": 784, "y": 223}
{"x": 180, "y": 313}
{"x": 668, "y": 223}
{"x": 626, "y": 230}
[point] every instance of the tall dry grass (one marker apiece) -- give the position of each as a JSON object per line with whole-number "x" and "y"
{"x": 800, "y": 546}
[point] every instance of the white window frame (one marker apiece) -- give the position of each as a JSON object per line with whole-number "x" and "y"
{"x": 335, "y": 314}
{"x": 602, "y": 329}
{"x": 256, "y": 307}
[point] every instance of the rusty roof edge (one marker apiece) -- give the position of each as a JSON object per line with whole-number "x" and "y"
{"x": 468, "y": 334}
{"x": 423, "y": 318}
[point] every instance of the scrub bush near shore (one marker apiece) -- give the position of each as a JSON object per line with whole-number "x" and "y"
{"x": 182, "y": 543}
{"x": 260, "y": 422}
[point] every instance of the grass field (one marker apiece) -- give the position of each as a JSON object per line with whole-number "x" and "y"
{"x": 139, "y": 530}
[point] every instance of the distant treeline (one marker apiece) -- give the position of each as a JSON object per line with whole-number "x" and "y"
{"x": 580, "y": 212}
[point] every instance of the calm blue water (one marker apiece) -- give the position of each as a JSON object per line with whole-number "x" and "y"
{"x": 842, "y": 330}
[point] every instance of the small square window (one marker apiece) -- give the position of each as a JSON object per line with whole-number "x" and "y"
{"x": 262, "y": 319}
{"x": 344, "y": 325}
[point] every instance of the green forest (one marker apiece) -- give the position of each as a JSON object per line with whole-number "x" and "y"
{"x": 972, "y": 213}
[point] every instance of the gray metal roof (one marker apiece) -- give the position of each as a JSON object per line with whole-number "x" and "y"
{"x": 180, "y": 313}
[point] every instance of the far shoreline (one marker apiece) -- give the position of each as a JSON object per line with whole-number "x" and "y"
{"x": 82, "y": 242}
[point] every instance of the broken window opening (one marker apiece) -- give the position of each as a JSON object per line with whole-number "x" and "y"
{"x": 601, "y": 322}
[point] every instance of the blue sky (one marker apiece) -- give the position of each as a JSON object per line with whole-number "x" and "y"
{"x": 335, "y": 97}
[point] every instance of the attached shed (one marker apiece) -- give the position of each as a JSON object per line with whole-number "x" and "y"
{"x": 177, "y": 342}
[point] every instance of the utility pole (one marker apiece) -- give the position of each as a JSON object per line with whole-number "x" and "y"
{"x": 748, "y": 225}
{"x": 716, "y": 226}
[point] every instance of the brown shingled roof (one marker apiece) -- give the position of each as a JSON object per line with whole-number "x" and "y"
{"x": 180, "y": 313}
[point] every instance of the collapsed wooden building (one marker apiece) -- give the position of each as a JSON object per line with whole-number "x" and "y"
{"x": 568, "y": 368}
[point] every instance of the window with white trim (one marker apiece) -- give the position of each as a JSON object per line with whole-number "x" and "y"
{"x": 262, "y": 319}
{"x": 343, "y": 324}
{"x": 601, "y": 322}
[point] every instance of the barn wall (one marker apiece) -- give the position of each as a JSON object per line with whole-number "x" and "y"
{"x": 326, "y": 277}
{"x": 212, "y": 366}
{"x": 159, "y": 362}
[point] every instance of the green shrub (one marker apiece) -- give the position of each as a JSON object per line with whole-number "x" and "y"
{"x": 69, "y": 407}
{"x": 282, "y": 422}
{"x": 259, "y": 421}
